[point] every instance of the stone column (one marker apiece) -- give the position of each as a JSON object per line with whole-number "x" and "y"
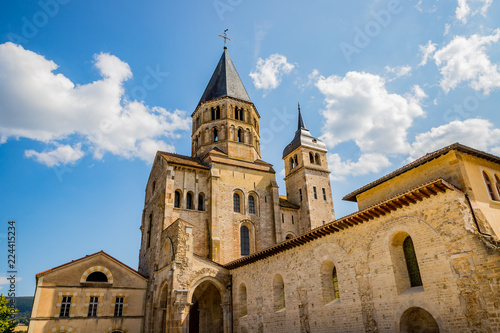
{"x": 227, "y": 317}
{"x": 213, "y": 216}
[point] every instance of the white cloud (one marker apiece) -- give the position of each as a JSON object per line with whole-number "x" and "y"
{"x": 462, "y": 11}
{"x": 269, "y": 72}
{"x": 447, "y": 28}
{"x": 37, "y": 104}
{"x": 398, "y": 71}
{"x": 61, "y": 155}
{"x": 359, "y": 108}
{"x": 467, "y": 8}
{"x": 426, "y": 51}
{"x": 465, "y": 59}
{"x": 367, "y": 163}
{"x": 477, "y": 133}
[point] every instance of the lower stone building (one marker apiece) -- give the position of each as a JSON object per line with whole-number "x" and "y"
{"x": 96, "y": 293}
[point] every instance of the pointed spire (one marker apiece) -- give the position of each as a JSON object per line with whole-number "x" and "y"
{"x": 301, "y": 124}
{"x": 225, "y": 82}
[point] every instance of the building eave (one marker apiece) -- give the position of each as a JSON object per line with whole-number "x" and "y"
{"x": 399, "y": 201}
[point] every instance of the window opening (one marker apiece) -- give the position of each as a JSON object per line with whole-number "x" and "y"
{"x": 236, "y": 203}
{"x": 65, "y": 306}
{"x": 245, "y": 241}
{"x": 411, "y": 262}
{"x": 119, "y": 306}
{"x": 93, "y": 304}
{"x": 251, "y": 205}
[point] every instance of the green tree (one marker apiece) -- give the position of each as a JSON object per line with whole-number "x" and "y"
{"x": 7, "y": 324}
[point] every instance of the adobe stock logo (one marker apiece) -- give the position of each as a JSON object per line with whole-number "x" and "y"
{"x": 31, "y": 27}
{"x": 373, "y": 28}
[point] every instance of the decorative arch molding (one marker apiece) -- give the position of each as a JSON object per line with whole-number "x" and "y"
{"x": 93, "y": 269}
{"x": 115, "y": 328}
{"x": 215, "y": 281}
{"x": 59, "y": 329}
{"x": 415, "y": 303}
{"x": 398, "y": 224}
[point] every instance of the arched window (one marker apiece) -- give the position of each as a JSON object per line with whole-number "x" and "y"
{"x": 236, "y": 202}
{"x": 497, "y": 185}
{"x": 217, "y": 112}
{"x": 177, "y": 199}
{"x": 318, "y": 161}
{"x": 212, "y": 114}
{"x": 295, "y": 160}
{"x": 411, "y": 262}
{"x": 150, "y": 225}
{"x": 153, "y": 187}
{"x": 243, "y": 300}
{"x": 216, "y": 135}
{"x": 489, "y": 186}
{"x": 251, "y": 205}
{"x": 329, "y": 282}
{"x": 97, "y": 277}
{"x": 278, "y": 293}
{"x": 311, "y": 158}
{"x": 201, "y": 201}
{"x": 245, "y": 240}
{"x": 291, "y": 163}
{"x": 289, "y": 236}
{"x": 237, "y": 112}
{"x": 189, "y": 201}
{"x": 240, "y": 135}
{"x": 324, "y": 194}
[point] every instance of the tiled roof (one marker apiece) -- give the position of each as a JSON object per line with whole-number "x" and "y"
{"x": 183, "y": 160}
{"x": 364, "y": 216}
{"x": 87, "y": 257}
{"x": 424, "y": 159}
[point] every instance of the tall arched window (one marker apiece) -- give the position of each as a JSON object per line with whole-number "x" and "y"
{"x": 217, "y": 112}
{"x": 150, "y": 225}
{"x": 153, "y": 188}
{"x": 189, "y": 201}
{"x": 201, "y": 201}
{"x": 216, "y": 135}
{"x": 329, "y": 282}
{"x": 497, "y": 185}
{"x": 295, "y": 160}
{"x": 291, "y": 163}
{"x": 245, "y": 240}
{"x": 278, "y": 293}
{"x": 177, "y": 199}
{"x": 411, "y": 262}
{"x": 212, "y": 114}
{"x": 240, "y": 135}
{"x": 311, "y": 158}
{"x": 243, "y": 300}
{"x": 316, "y": 158}
{"x": 251, "y": 205}
{"x": 236, "y": 202}
{"x": 489, "y": 186}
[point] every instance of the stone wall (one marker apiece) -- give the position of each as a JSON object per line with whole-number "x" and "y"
{"x": 459, "y": 274}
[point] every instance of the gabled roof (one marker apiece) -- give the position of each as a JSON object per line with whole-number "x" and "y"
{"x": 183, "y": 160}
{"x": 88, "y": 257}
{"x": 418, "y": 162}
{"x": 407, "y": 198}
{"x": 225, "y": 82}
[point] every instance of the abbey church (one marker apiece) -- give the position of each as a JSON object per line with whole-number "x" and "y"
{"x": 223, "y": 251}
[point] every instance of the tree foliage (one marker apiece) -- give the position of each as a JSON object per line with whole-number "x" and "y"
{"x": 7, "y": 323}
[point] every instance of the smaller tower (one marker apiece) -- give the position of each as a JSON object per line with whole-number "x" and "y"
{"x": 307, "y": 178}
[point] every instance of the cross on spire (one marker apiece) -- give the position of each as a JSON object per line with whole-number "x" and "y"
{"x": 225, "y": 38}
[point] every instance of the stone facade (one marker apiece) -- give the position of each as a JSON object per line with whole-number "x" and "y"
{"x": 63, "y": 295}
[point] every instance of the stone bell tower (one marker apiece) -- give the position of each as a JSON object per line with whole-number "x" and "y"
{"x": 225, "y": 117}
{"x": 307, "y": 178}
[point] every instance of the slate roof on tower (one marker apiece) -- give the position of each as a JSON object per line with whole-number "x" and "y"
{"x": 303, "y": 138}
{"x": 225, "y": 82}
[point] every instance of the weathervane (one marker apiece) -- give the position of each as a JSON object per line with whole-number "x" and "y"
{"x": 225, "y": 38}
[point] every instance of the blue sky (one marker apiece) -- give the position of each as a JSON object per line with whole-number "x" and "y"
{"x": 89, "y": 90}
